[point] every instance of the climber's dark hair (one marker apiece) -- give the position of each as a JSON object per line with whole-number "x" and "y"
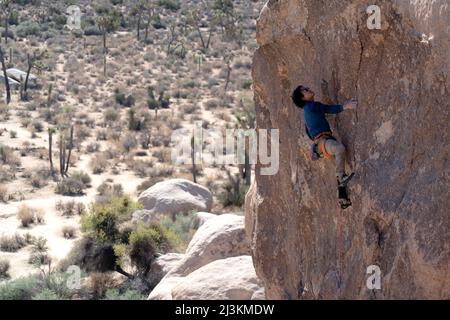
{"x": 297, "y": 96}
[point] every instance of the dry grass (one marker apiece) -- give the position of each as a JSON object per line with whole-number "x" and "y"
{"x": 26, "y": 216}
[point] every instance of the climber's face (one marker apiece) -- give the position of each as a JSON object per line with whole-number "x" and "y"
{"x": 308, "y": 94}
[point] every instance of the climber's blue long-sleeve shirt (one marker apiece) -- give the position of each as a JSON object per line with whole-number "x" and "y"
{"x": 315, "y": 121}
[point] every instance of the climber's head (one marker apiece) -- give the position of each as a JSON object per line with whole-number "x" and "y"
{"x": 301, "y": 95}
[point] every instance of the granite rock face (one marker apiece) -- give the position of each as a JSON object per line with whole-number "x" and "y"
{"x": 398, "y": 142}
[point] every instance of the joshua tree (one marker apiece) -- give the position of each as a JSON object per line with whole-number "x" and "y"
{"x": 65, "y": 151}
{"x": 108, "y": 22}
{"x": 150, "y": 14}
{"x": 51, "y": 131}
{"x": 34, "y": 60}
{"x": 193, "y": 20}
{"x": 5, "y": 75}
{"x": 228, "y": 58}
{"x": 246, "y": 120}
{"x": 194, "y": 167}
{"x": 5, "y": 6}
{"x": 138, "y": 10}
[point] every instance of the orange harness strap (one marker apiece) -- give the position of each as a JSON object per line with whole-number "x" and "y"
{"x": 321, "y": 139}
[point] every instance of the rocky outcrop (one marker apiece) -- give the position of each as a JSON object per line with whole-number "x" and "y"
{"x": 171, "y": 197}
{"x": 196, "y": 275}
{"x": 224, "y": 279}
{"x": 218, "y": 238}
{"x": 397, "y": 142}
{"x": 162, "y": 265}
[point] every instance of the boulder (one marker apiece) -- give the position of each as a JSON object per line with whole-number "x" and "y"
{"x": 162, "y": 265}
{"x": 174, "y": 196}
{"x": 202, "y": 217}
{"x": 218, "y": 238}
{"x": 397, "y": 141}
{"x": 225, "y": 279}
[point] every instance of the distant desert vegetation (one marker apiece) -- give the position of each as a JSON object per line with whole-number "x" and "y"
{"x": 86, "y": 117}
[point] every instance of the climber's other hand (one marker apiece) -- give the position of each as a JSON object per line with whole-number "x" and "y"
{"x": 352, "y": 104}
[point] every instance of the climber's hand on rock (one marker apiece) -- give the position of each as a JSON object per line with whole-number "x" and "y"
{"x": 352, "y": 104}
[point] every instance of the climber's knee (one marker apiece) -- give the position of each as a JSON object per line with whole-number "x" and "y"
{"x": 340, "y": 149}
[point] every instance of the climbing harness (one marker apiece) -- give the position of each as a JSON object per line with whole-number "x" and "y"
{"x": 318, "y": 149}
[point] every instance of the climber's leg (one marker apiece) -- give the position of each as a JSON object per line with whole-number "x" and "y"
{"x": 337, "y": 149}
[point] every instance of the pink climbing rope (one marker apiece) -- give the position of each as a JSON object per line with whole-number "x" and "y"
{"x": 340, "y": 248}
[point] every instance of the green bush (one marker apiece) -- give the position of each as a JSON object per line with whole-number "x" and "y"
{"x": 38, "y": 287}
{"x": 70, "y": 187}
{"x": 74, "y": 185}
{"x": 180, "y": 231}
{"x": 28, "y": 28}
{"x": 92, "y": 31}
{"x": 101, "y": 222}
{"x": 45, "y": 294}
{"x": 173, "y": 5}
{"x": 130, "y": 294}
{"x": 4, "y": 269}
{"x": 19, "y": 289}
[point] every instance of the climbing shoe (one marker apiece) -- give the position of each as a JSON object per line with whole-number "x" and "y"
{"x": 345, "y": 203}
{"x": 345, "y": 180}
{"x": 344, "y": 200}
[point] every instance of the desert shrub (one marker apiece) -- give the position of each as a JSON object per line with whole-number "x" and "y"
{"x": 13, "y": 134}
{"x": 181, "y": 230}
{"x": 19, "y": 289}
{"x": 129, "y": 142}
{"x": 39, "y": 254}
{"x": 92, "y": 147}
{"x": 68, "y": 232}
{"x": 246, "y": 84}
{"x": 65, "y": 209}
{"x": 130, "y": 294}
{"x": 99, "y": 163}
{"x": 39, "y": 216}
{"x": 92, "y": 31}
{"x": 4, "y": 194}
{"x": 102, "y": 134}
{"x": 74, "y": 185}
{"x": 7, "y": 156}
{"x": 234, "y": 194}
{"x": 12, "y": 243}
{"x": 27, "y": 28}
{"x": 123, "y": 100}
{"x": 143, "y": 247}
{"x": 212, "y": 104}
{"x": 163, "y": 155}
{"x": 70, "y": 187}
{"x": 101, "y": 222}
{"x": 49, "y": 286}
{"x": 45, "y": 294}
{"x": 4, "y": 269}
{"x": 83, "y": 177}
{"x": 26, "y": 216}
{"x": 173, "y": 5}
{"x": 37, "y": 125}
{"x": 100, "y": 283}
{"x": 91, "y": 256}
{"x": 111, "y": 115}
{"x": 106, "y": 192}
{"x": 38, "y": 177}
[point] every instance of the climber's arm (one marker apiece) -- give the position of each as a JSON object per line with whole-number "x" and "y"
{"x": 334, "y": 109}
{"x": 337, "y": 108}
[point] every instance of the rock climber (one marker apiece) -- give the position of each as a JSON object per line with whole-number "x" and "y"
{"x": 318, "y": 130}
